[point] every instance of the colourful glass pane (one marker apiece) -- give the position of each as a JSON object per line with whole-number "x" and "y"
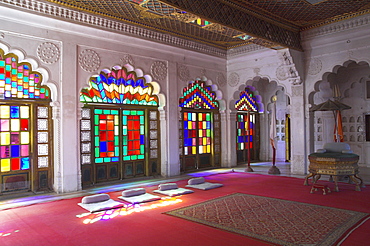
{"x": 247, "y": 101}
{"x": 17, "y": 80}
{"x": 105, "y": 144}
{"x": 119, "y": 87}
{"x": 14, "y": 138}
{"x": 245, "y": 131}
{"x": 198, "y": 96}
{"x": 133, "y": 125}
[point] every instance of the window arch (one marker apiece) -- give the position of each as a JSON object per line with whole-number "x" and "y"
{"x": 200, "y": 131}
{"x": 119, "y": 127}
{"x": 246, "y": 125}
{"x": 26, "y": 127}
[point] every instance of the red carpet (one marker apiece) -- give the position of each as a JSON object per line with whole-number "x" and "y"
{"x": 55, "y": 223}
{"x": 273, "y": 220}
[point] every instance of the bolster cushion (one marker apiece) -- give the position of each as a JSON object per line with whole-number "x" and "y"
{"x": 195, "y": 181}
{"x": 168, "y": 186}
{"x": 95, "y": 198}
{"x": 133, "y": 192}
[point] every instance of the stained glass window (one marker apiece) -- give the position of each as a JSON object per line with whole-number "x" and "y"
{"x": 19, "y": 81}
{"x": 197, "y": 132}
{"x": 119, "y": 87}
{"x": 106, "y": 133}
{"x": 245, "y": 131}
{"x": 198, "y": 96}
{"x": 133, "y": 134}
{"x": 14, "y": 138}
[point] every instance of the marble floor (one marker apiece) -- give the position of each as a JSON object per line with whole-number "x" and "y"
{"x": 19, "y": 200}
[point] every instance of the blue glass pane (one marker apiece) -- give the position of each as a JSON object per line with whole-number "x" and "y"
{"x": 103, "y": 147}
{"x": 185, "y": 125}
{"x": 186, "y": 133}
{"x": 142, "y": 139}
{"x": 15, "y": 150}
{"x": 114, "y": 159}
{"x": 25, "y": 163}
{"x": 14, "y": 111}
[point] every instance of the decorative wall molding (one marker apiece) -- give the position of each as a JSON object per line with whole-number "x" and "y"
{"x": 58, "y": 12}
{"x": 48, "y": 52}
{"x": 234, "y": 79}
{"x": 159, "y": 70}
{"x": 89, "y": 60}
{"x": 244, "y": 49}
{"x": 337, "y": 27}
{"x": 183, "y": 73}
{"x": 287, "y": 70}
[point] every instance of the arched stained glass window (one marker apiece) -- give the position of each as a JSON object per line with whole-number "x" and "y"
{"x": 246, "y": 119}
{"x": 25, "y": 126}
{"x": 119, "y": 140}
{"x": 199, "y": 127}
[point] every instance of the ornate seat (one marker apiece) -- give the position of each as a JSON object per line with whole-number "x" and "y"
{"x": 336, "y": 160}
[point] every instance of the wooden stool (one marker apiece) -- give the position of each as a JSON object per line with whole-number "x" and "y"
{"x": 319, "y": 186}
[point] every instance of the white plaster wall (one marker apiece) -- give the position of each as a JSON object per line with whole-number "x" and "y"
{"x": 328, "y": 50}
{"x": 25, "y": 31}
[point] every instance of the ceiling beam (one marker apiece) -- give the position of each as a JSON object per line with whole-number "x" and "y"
{"x": 234, "y": 16}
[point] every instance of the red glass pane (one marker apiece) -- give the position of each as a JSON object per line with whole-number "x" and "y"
{"x": 136, "y": 135}
{"x": 110, "y": 135}
{"x": 103, "y": 154}
{"x": 137, "y": 124}
{"x": 102, "y": 117}
{"x": 200, "y": 125}
{"x": 111, "y": 154}
{"x": 110, "y": 125}
{"x": 24, "y": 124}
{"x": 185, "y": 116}
{"x": 110, "y": 146}
{"x": 15, "y": 164}
{"x": 102, "y": 125}
{"x": 103, "y": 136}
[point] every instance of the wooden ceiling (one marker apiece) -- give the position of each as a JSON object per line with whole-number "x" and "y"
{"x": 227, "y": 23}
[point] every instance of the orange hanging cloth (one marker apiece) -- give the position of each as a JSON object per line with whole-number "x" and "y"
{"x": 338, "y": 129}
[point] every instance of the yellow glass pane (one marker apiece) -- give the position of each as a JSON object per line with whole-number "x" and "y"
{"x": 204, "y": 124}
{"x": 14, "y": 125}
{"x": 200, "y": 133}
{"x": 204, "y": 141}
{"x": 5, "y": 138}
{"x": 5, "y": 165}
{"x": 208, "y": 148}
{"x": 200, "y": 116}
{"x": 194, "y": 149}
{"x": 25, "y": 137}
{"x": 190, "y": 125}
{"x": 25, "y": 112}
{"x": 4, "y": 111}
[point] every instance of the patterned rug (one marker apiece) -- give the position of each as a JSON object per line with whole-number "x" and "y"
{"x": 273, "y": 220}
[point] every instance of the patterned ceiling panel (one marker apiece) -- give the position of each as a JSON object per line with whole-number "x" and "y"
{"x": 226, "y": 23}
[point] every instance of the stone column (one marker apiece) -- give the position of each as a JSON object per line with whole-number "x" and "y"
{"x": 298, "y": 136}
{"x": 228, "y": 135}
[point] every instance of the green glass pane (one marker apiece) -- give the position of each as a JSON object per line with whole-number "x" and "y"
{"x": 124, "y": 120}
{"x": 142, "y": 149}
{"x": 116, "y": 151}
{"x": 124, "y": 130}
{"x": 106, "y": 111}
{"x": 96, "y": 130}
{"x": 96, "y": 141}
{"x": 127, "y": 158}
{"x": 142, "y": 130}
{"x": 124, "y": 150}
{"x": 208, "y": 117}
{"x": 99, "y": 160}
{"x": 116, "y": 140}
{"x": 134, "y": 157}
{"x": 98, "y": 111}
{"x": 97, "y": 152}
{"x": 140, "y": 113}
{"x": 140, "y": 157}
{"x": 126, "y": 112}
{"x": 115, "y": 112}
{"x": 96, "y": 119}
{"x": 141, "y": 119}
{"x": 107, "y": 159}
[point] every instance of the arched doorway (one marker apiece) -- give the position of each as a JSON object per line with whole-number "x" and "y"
{"x": 200, "y": 128}
{"x": 247, "y": 126}
{"x": 119, "y": 127}
{"x": 25, "y": 128}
